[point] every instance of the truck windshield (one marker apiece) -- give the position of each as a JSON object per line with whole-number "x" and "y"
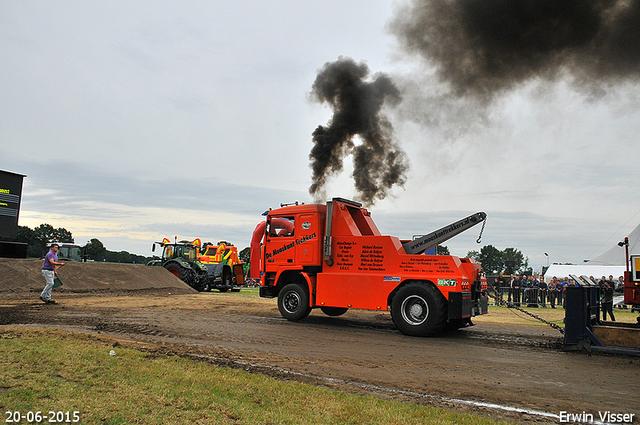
{"x": 70, "y": 252}
{"x": 282, "y": 226}
{"x": 189, "y": 252}
{"x": 168, "y": 251}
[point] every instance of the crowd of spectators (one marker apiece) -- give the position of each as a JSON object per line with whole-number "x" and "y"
{"x": 533, "y": 290}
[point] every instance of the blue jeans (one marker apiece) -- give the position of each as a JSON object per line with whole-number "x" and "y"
{"x": 49, "y": 276}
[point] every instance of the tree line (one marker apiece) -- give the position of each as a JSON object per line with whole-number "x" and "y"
{"x": 40, "y": 238}
{"x": 95, "y": 250}
{"x": 493, "y": 261}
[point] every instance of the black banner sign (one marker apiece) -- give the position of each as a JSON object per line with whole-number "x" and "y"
{"x": 10, "y": 194}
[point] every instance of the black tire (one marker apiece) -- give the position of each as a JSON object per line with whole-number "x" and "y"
{"x": 418, "y": 309}
{"x": 182, "y": 273}
{"x": 174, "y": 268}
{"x": 226, "y": 282}
{"x": 191, "y": 279}
{"x": 334, "y": 311}
{"x": 293, "y": 302}
{"x": 203, "y": 281}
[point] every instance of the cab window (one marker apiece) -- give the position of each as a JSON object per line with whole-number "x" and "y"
{"x": 282, "y": 226}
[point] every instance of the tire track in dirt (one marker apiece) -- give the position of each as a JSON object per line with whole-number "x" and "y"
{"x": 517, "y": 366}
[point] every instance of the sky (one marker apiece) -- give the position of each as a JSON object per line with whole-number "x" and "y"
{"x": 134, "y": 121}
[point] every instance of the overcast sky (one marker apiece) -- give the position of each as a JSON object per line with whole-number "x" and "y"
{"x": 135, "y": 121}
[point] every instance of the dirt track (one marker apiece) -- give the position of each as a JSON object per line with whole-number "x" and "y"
{"x": 514, "y": 366}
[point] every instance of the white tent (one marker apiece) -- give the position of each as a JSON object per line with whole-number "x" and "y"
{"x": 561, "y": 271}
{"x": 616, "y": 255}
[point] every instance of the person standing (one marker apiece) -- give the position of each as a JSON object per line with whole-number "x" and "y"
{"x": 602, "y": 281}
{"x": 526, "y": 287}
{"x": 563, "y": 288}
{"x": 553, "y": 291}
{"x": 49, "y": 272}
{"x": 510, "y": 289}
{"x": 502, "y": 285}
{"x": 607, "y": 301}
{"x": 516, "y": 284}
{"x": 619, "y": 285}
{"x": 543, "y": 292}
{"x": 534, "y": 291}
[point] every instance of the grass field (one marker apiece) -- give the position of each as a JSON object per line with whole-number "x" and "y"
{"x": 56, "y": 371}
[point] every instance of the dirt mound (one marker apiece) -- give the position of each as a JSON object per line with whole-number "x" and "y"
{"x": 18, "y": 277}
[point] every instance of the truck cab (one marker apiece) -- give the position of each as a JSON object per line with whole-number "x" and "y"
{"x": 293, "y": 238}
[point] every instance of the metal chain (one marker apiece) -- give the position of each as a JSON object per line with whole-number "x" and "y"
{"x": 511, "y": 305}
{"x": 484, "y": 223}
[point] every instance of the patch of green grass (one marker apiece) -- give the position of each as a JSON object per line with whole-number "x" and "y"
{"x": 252, "y": 291}
{"x": 59, "y": 371}
{"x": 502, "y": 314}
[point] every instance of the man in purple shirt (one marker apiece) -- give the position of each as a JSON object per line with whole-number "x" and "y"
{"x": 49, "y": 273}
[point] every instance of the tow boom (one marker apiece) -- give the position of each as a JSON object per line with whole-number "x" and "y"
{"x": 423, "y": 243}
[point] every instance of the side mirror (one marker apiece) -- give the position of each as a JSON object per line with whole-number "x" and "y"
{"x": 153, "y": 248}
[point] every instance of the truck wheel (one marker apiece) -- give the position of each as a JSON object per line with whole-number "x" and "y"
{"x": 293, "y": 302}
{"x": 181, "y": 273}
{"x": 174, "y": 269}
{"x": 203, "y": 281}
{"x": 334, "y": 311}
{"x": 226, "y": 282}
{"x": 418, "y": 310}
{"x": 191, "y": 279}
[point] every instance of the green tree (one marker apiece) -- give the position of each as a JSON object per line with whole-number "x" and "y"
{"x": 45, "y": 234}
{"x": 42, "y": 235}
{"x": 474, "y": 255}
{"x": 25, "y": 235}
{"x": 514, "y": 261}
{"x": 489, "y": 257}
{"x": 493, "y": 261}
{"x": 442, "y": 250}
{"x": 28, "y": 236}
{"x": 62, "y": 235}
{"x": 95, "y": 250}
{"x": 245, "y": 255}
{"x": 39, "y": 238}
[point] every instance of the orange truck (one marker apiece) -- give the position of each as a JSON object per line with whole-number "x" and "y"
{"x": 333, "y": 257}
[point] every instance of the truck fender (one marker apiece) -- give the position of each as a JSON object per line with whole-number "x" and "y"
{"x": 180, "y": 262}
{"x": 311, "y": 287}
{"x": 418, "y": 308}
{"x": 405, "y": 283}
{"x": 285, "y": 277}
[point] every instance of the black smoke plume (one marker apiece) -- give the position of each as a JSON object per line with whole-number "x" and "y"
{"x": 486, "y": 47}
{"x": 378, "y": 161}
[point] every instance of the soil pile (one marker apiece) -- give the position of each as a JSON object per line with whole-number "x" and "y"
{"x": 19, "y": 277}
